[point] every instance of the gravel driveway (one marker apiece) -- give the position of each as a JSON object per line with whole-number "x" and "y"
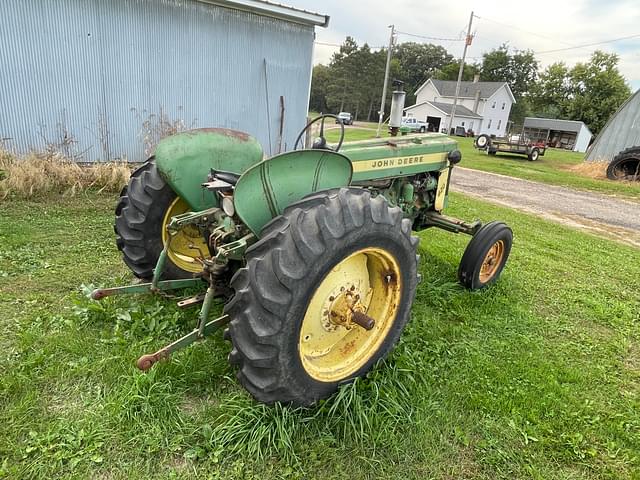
{"x": 601, "y": 214}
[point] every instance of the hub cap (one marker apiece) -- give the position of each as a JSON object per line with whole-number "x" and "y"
{"x": 187, "y": 244}
{"x": 492, "y": 261}
{"x": 331, "y": 345}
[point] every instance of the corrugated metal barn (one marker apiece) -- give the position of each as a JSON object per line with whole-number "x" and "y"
{"x": 104, "y": 79}
{"x": 621, "y": 132}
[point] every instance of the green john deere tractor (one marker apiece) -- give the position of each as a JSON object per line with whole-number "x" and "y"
{"x": 312, "y": 249}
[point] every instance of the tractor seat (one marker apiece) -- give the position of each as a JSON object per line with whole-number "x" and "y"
{"x": 229, "y": 177}
{"x": 221, "y": 181}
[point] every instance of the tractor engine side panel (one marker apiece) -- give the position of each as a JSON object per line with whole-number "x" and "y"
{"x": 398, "y": 157}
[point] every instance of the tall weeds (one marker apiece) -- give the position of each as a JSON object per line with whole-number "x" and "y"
{"x": 39, "y": 174}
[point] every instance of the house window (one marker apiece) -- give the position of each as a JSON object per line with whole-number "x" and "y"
{"x": 499, "y": 122}
{"x": 463, "y": 124}
{"x": 489, "y": 124}
{"x": 493, "y": 105}
{"x": 503, "y": 105}
{"x": 471, "y": 125}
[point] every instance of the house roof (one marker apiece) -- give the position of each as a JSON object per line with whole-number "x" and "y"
{"x": 461, "y": 111}
{"x": 276, "y": 10}
{"x": 447, "y": 88}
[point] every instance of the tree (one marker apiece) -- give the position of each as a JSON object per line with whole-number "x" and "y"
{"x": 417, "y": 62}
{"x": 551, "y": 95}
{"x": 519, "y": 70}
{"x": 597, "y": 90}
{"x": 589, "y": 92}
{"x": 321, "y": 78}
{"x": 451, "y": 70}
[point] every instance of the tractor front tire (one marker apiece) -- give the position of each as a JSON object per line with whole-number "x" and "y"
{"x": 140, "y": 215}
{"x": 290, "y": 342}
{"x": 485, "y": 256}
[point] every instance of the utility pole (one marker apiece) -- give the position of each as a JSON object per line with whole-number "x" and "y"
{"x": 467, "y": 42}
{"x": 386, "y": 79}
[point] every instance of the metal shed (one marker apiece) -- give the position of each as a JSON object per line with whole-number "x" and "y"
{"x": 567, "y": 134}
{"x": 621, "y": 132}
{"x": 104, "y": 80}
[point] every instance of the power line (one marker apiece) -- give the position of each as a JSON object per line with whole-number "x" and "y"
{"x": 524, "y": 31}
{"x": 590, "y": 44}
{"x": 339, "y": 45}
{"x": 431, "y": 38}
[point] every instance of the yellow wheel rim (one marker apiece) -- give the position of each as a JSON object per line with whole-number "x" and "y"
{"x": 492, "y": 261}
{"x": 187, "y": 244}
{"x": 331, "y": 346}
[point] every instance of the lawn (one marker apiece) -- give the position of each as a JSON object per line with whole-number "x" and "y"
{"x": 536, "y": 377}
{"x": 553, "y": 168}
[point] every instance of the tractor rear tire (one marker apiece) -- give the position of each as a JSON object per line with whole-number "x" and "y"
{"x": 485, "y": 256}
{"x": 625, "y": 165}
{"x": 279, "y": 312}
{"x": 139, "y": 221}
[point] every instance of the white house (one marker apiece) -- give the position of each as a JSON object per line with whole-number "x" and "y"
{"x": 483, "y": 107}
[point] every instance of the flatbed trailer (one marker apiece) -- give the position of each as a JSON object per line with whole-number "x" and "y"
{"x": 514, "y": 144}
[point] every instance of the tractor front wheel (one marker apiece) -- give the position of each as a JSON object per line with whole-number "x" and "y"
{"x": 325, "y": 293}
{"x": 485, "y": 256}
{"x": 145, "y": 208}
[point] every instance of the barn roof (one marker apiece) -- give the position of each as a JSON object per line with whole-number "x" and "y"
{"x": 621, "y": 131}
{"x": 277, "y": 10}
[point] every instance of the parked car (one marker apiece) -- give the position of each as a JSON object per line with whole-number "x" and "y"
{"x": 414, "y": 124}
{"x": 345, "y": 118}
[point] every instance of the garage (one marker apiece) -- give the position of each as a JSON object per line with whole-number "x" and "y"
{"x": 565, "y": 134}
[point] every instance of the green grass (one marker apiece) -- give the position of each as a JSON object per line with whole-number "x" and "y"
{"x": 536, "y": 377}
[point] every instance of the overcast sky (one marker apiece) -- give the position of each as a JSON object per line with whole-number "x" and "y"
{"x": 539, "y": 25}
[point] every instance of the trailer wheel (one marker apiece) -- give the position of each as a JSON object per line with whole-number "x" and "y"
{"x": 483, "y": 141}
{"x": 534, "y": 155}
{"x": 485, "y": 256}
{"x": 625, "y": 165}
{"x": 145, "y": 207}
{"x": 293, "y": 320}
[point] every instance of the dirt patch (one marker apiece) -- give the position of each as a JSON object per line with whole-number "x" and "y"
{"x": 596, "y": 170}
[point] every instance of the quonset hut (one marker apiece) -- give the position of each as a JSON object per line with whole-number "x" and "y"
{"x": 619, "y": 142}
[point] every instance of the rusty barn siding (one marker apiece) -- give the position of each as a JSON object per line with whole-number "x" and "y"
{"x": 621, "y": 131}
{"x": 92, "y": 76}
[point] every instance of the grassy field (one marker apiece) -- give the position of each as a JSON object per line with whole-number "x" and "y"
{"x": 537, "y": 377}
{"x": 556, "y": 167}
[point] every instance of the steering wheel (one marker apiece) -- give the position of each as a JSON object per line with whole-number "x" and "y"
{"x": 320, "y": 143}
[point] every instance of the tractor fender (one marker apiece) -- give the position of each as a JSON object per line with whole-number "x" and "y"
{"x": 267, "y": 188}
{"x": 185, "y": 159}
